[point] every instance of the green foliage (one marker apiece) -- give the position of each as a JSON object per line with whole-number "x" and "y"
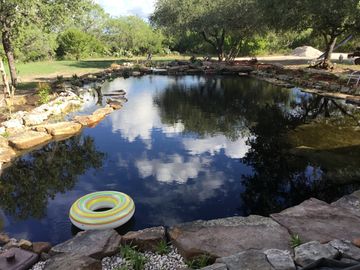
{"x": 162, "y": 247}
{"x": 75, "y": 44}
{"x": 136, "y": 260}
{"x": 199, "y": 262}
{"x": 44, "y": 91}
{"x": 5, "y": 134}
{"x": 295, "y": 241}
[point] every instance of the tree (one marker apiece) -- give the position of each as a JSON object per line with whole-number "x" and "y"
{"x": 47, "y": 14}
{"x": 132, "y": 35}
{"x": 328, "y": 18}
{"x": 222, "y": 23}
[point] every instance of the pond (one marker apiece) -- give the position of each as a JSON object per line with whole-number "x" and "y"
{"x": 188, "y": 148}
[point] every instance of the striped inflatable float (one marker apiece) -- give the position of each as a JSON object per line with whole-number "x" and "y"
{"x": 84, "y": 216}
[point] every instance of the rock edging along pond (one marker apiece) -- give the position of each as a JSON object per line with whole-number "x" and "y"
{"x": 323, "y": 231}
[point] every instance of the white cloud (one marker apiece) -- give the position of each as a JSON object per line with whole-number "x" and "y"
{"x": 174, "y": 169}
{"x": 142, "y": 8}
{"x": 213, "y": 145}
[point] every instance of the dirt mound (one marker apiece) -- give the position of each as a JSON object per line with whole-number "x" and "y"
{"x": 307, "y": 51}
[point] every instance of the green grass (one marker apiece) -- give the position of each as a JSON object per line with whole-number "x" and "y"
{"x": 42, "y": 70}
{"x": 199, "y": 262}
{"x": 136, "y": 259}
{"x": 295, "y": 241}
{"x": 162, "y": 248}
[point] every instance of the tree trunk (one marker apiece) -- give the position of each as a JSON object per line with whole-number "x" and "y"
{"x": 9, "y": 55}
{"x": 4, "y": 79}
{"x": 330, "y": 48}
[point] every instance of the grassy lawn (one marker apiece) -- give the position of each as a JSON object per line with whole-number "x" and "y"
{"x": 38, "y": 71}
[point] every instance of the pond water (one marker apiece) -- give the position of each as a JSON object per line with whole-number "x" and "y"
{"x": 184, "y": 148}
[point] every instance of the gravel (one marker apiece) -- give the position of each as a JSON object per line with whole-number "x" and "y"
{"x": 170, "y": 261}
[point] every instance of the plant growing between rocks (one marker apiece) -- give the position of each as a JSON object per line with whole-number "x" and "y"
{"x": 295, "y": 241}
{"x": 44, "y": 91}
{"x": 135, "y": 259}
{"x": 199, "y": 262}
{"x": 162, "y": 248}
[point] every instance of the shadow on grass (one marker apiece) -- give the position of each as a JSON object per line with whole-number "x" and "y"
{"x": 25, "y": 87}
{"x": 94, "y": 63}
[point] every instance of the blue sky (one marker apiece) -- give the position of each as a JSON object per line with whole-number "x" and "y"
{"x": 142, "y": 8}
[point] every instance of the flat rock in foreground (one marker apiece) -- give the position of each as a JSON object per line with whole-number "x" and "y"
{"x": 29, "y": 139}
{"x": 315, "y": 220}
{"x": 95, "y": 244}
{"x": 225, "y": 237}
{"x": 6, "y": 154}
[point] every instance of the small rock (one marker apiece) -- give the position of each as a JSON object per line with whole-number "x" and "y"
{"x": 25, "y": 244}
{"x": 4, "y": 239}
{"x": 345, "y": 89}
{"x": 145, "y": 240}
{"x": 116, "y": 105}
{"x": 44, "y": 256}
{"x": 13, "y": 123}
{"x": 2, "y": 130}
{"x": 95, "y": 244}
{"x": 6, "y": 154}
{"x": 280, "y": 259}
{"x": 346, "y": 249}
{"x": 103, "y": 111}
{"x": 356, "y": 242}
{"x": 41, "y": 247}
{"x": 247, "y": 260}
{"x": 313, "y": 251}
{"x": 32, "y": 119}
{"x": 136, "y": 73}
{"x": 13, "y": 243}
{"x": 71, "y": 261}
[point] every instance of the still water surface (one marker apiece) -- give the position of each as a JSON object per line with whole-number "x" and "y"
{"x": 184, "y": 148}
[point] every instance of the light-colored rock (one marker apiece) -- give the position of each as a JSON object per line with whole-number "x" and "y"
{"x": 29, "y": 139}
{"x": 356, "y": 242}
{"x": 4, "y": 239}
{"x": 224, "y": 237}
{"x": 103, "y": 111}
{"x": 313, "y": 251}
{"x": 6, "y": 154}
{"x": 61, "y": 129}
{"x": 346, "y": 249}
{"x": 280, "y": 259}
{"x": 13, "y": 123}
{"x": 116, "y": 105}
{"x": 25, "y": 244}
{"x": 247, "y": 260}
{"x": 41, "y": 247}
{"x": 72, "y": 262}
{"x": 95, "y": 244}
{"x": 216, "y": 266}
{"x": 136, "y": 73}
{"x": 319, "y": 221}
{"x": 88, "y": 120}
{"x": 145, "y": 240}
{"x": 2, "y": 130}
{"x": 32, "y": 119}
{"x": 3, "y": 142}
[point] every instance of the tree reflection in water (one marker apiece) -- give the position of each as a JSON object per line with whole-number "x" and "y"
{"x": 26, "y": 186}
{"x": 266, "y": 114}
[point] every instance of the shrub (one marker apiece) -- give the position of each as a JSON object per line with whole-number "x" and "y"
{"x": 43, "y": 92}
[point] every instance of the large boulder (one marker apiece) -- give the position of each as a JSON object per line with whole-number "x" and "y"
{"x": 95, "y": 244}
{"x": 224, "y": 237}
{"x": 29, "y": 139}
{"x": 315, "y": 220}
{"x": 72, "y": 262}
{"x": 61, "y": 129}
{"x": 247, "y": 260}
{"x": 346, "y": 249}
{"x": 145, "y": 240}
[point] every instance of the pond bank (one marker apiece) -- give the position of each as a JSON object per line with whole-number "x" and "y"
{"x": 300, "y": 235}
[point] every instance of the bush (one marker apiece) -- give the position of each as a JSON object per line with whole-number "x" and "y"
{"x": 43, "y": 92}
